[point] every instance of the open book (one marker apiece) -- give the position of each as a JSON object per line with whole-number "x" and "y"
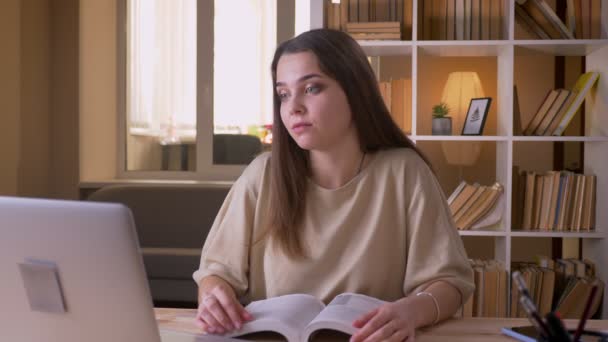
{"x": 299, "y": 316}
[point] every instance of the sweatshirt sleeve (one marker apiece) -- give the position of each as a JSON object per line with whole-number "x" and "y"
{"x": 434, "y": 248}
{"x": 227, "y": 248}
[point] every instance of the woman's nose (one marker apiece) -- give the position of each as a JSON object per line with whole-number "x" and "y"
{"x": 296, "y": 107}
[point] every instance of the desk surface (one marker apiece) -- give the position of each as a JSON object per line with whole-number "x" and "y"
{"x": 455, "y": 330}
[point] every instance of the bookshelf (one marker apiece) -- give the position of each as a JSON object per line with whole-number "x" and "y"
{"x": 503, "y": 56}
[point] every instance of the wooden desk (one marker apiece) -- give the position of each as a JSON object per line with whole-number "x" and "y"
{"x": 468, "y": 329}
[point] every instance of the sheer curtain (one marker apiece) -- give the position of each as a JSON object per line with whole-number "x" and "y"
{"x": 161, "y": 79}
{"x": 245, "y": 39}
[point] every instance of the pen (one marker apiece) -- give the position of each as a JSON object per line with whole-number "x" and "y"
{"x": 583, "y": 320}
{"x": 529, "y": 307}
{"x": 534, "y": 317}
{"x": 556, "y": 329}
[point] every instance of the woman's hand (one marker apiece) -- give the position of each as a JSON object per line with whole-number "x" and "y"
{"x": 390, "y": 322}
{"x": 219, "y": 311}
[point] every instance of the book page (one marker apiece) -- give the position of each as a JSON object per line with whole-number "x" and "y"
{"x": 340, "y": 314}
{"x": 286, "y": 315}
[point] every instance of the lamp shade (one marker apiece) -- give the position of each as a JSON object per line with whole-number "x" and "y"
{"x": 460, "y": 88}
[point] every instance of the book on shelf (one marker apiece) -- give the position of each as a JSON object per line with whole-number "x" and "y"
{"x": 486, "y": 15}
{"x": 471, "y": 203}
{"x": 560, "y": 201}
{"x": 528, "y": 24}
{"x": 496, "y": 19}
{"x": 559, "y": 107}
{"x": 450, "y": 20}
{"x": 382, "y": 26}
{"x": 596, "y": 19}
{"x": 476, "y": 19}
{"x": 490, "y": 296}
{"x": 397, "y": 98}
{"x": 376, "y": 36}
{"x": 544, "y": 16}
{"x": 571, "y": 17}
{"x": 541, "y": 111}
{"x": 298, "y": 317}
{"x": 556, "y": 107}
{"x": 370, "y": 16}
{"x": 581, "y": 88}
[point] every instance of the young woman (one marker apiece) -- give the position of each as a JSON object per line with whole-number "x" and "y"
{"x": 343, "y": 203}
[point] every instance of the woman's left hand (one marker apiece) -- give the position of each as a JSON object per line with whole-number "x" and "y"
{"x": 389, "y": 322}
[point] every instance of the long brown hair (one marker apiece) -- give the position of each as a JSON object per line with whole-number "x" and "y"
{"x": 341, "y": 58}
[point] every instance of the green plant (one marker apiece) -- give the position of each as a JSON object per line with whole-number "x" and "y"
{"x": 441, "y": 110}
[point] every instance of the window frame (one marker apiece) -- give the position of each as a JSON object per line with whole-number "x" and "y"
{"x": 307, "y": 15}
{"x": 204, "y": 168}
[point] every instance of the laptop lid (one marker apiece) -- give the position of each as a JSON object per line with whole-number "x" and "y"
{"x": 71, "y": 271}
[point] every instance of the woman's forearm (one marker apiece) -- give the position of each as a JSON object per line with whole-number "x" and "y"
{"x": 448, "y": 300}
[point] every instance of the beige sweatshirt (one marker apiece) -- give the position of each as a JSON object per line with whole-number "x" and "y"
{"x": 385, "y": 233}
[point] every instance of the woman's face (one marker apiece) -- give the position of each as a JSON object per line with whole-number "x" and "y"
{"x": 314, "y": 108}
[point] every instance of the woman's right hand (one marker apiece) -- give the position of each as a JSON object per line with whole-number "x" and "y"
{"x": 219, "y": 311}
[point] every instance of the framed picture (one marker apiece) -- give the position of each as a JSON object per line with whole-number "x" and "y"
{"x": 476, "y": 116}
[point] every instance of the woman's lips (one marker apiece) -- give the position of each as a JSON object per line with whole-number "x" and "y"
{"x": 300, "y": 127}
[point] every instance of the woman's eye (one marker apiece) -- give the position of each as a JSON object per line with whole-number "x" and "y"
{"x": 282, "y": 95}
{"x": 313, "y": 89}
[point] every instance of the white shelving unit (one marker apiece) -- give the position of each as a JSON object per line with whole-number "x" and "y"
{"x": 506, "y": 51}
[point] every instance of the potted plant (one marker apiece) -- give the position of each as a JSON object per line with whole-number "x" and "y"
{"x": 442, "y": 123}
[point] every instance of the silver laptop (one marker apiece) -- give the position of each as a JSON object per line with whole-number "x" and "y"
{"x": 72, "y": 271}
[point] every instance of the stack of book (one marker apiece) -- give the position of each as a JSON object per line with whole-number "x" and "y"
{"x": 555, "y": 200}
{"x": 386, "y": 30}
{"x": 397, "y": 97}
{"x": 462, "y": 19}
{"x": 470, "y": 204}
{"x": 490, "y": 296}
{"x": 539, "y": 20}
{"x": 559, "y": 107}
{"x": 562, "y": 285}
{"x": 340, "y": 15}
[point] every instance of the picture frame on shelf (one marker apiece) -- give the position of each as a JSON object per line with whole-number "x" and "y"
{"x": 476, "y": 116}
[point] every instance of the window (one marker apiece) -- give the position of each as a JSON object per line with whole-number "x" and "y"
{"x": 188, "y": 107}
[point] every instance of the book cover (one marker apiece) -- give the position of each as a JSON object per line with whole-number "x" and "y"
{"x": 397, "y": 101}
{"x": 589, "y": 203}
{"x": 586, "y": 18}
{"x": 558, "y": 117}
{"x": 462, "y": 198}
{"x": 554, "y": 19}
{"x": 581, "y": 88}
{"x": 552, "y": 112}
{"x": 578, "y": 19}
{"x": 538, "y": 198}
{"x": 459, "y": 19}
{"x": 467, "y": 19}
{"x": 408, "y": 19}
{"x": 476, "y": 19}
{"x": 533, "y": 9}
{"x": 596, "y": 19}
{"x": 495, "y": 20}
{"x": 451, "y": 20}
{"x": 529, "y": 24}
{"x": 542, "y": 110}
{"x": 486, "y": 13}
{"x": 529, "y": 200}
{"x": 456, "y": 192}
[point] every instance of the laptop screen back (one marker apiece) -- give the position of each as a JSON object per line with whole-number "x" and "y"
{"x": 78, "y": 257}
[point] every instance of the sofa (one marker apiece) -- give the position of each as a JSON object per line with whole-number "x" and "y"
{"x": 172, "y": 223}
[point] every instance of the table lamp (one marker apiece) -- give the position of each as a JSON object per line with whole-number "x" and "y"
{"x": 460, "y": 88}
